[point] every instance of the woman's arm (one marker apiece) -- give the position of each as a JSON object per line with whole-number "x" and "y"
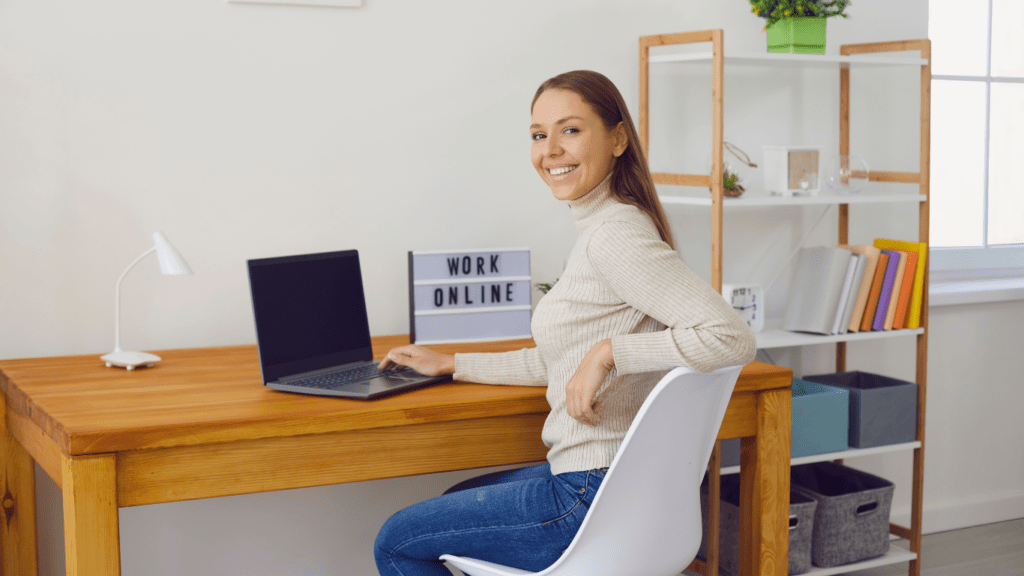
{"x": 523, "y": 367}
{"x": 703, "y": 332}
{"x": 582, "y": 401}
{"x": 520, "y": 367}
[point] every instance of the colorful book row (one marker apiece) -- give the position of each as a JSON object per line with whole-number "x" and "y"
{"x": 858, "y": 288}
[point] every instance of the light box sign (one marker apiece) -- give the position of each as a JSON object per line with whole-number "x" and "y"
{"x": 469, "y": 295}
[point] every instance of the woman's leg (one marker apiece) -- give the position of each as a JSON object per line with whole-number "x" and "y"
{"x": 503, "y": 477}
{"x": 526, "y": 523}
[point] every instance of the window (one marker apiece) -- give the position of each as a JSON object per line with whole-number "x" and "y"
{"x": 977, "y": 145}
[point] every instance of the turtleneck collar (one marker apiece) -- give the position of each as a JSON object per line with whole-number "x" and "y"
{"x": 593, "y": 202}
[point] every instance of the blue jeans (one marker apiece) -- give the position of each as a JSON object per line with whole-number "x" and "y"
{"x": 522, "y": 518}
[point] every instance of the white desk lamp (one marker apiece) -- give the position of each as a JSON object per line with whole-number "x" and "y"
{"x": 171, "y": 262}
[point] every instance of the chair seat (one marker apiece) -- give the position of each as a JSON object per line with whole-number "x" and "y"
{"x": 483, "y": 568}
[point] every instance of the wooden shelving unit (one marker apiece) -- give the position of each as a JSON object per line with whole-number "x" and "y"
{"x": 851, "y": 56}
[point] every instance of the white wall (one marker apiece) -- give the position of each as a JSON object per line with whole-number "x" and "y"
{"x": 247, "y": 131}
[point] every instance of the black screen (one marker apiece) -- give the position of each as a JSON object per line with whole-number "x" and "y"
{"x": 309, "y": 311}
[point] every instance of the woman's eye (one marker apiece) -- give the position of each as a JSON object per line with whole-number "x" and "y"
{"x": 571, "y": 130}
{"x": 537, "y": 136}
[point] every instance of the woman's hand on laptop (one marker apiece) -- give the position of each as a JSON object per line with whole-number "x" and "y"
{"x": 420, "y": 359}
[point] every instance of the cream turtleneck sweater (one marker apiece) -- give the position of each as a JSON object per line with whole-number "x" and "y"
{"x": 621, "y": 282}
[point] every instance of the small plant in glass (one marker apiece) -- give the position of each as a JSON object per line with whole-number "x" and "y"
{"x": 732, "y": 179}
{"x": 731, "y": 183}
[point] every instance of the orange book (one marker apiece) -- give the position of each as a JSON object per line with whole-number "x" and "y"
{"x": 861, "y": 300}
{"x": 897, "y": 285}
{"x": 903, "y": 304}
{"x": 876, "y": 291}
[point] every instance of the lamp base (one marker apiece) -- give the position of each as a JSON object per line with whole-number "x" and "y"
{"x": 129, "y": 360}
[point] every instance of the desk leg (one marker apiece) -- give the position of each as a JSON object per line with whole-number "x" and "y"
{"x": 18, "y": 492}
{"x": 91, "y": 537}
{"x": 764, "y": 488}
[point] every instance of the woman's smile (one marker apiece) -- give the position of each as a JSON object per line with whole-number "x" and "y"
{"x": 563, "y": 170}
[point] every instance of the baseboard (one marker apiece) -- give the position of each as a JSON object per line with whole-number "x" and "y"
{"x": 956, "y": 515}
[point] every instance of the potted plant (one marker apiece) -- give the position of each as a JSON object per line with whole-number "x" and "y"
{"x": 797, "y": 26}
{"x": 545, "y": 287}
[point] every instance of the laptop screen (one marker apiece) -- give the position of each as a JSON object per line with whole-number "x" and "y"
{"x": 309, "y": 312}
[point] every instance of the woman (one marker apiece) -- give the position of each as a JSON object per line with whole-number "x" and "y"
{"x": 625, "y": 311}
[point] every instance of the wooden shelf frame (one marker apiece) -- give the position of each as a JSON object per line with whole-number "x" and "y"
{"x": 716, "y": 38}
{"x": 914, "y": 533}
{"x": 717, "y": 130}
{"x": 714, "y": 181}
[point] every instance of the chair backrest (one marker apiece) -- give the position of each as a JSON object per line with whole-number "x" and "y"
{"x": 645, "y": 518}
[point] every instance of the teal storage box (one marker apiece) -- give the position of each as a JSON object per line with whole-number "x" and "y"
{"x": 883, "y": 410}
{"x": 821, "y": 420}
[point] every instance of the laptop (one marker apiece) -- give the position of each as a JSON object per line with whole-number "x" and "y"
{"x": 312, "y": 332}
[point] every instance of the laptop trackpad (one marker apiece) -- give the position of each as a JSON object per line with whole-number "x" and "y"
{"x": 383, "y": 383}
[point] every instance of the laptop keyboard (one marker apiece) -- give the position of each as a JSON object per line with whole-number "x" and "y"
{"x": 335, "y": 379}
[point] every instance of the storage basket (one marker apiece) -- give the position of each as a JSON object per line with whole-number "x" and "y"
{"x": 821, "y": 418}
{"x": 883, "y": 410}
{"x": 801, "y": 527}
{"x": 851, "y": 521}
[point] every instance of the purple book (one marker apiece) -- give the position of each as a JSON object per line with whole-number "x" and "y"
{"x": 887, "y": 282}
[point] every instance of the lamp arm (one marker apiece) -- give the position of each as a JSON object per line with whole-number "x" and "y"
{"x": 117, "y": 299}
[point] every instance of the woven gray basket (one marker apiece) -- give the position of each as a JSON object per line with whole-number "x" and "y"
{"x": 801, "y": 528}
{"x": 851, "y": 522}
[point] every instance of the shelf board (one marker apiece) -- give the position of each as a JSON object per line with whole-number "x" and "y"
{"x": 755, "y": 201}
{"x": 792, "y": 60}
{"x": 851, "y": 453}
{"x": 895, "y": 555}
{"x": 855, "y": 452}
{"x": 773, "y": 336}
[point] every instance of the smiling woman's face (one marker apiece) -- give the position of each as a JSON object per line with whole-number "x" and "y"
{"x": 572, "y": 150}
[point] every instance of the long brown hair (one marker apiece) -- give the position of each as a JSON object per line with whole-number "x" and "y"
{"x": 631, "y": 178}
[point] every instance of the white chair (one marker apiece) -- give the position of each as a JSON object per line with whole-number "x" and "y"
{"x": 645, "y": 519}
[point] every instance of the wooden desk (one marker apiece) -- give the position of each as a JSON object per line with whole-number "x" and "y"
{"x": 200, "y": 425}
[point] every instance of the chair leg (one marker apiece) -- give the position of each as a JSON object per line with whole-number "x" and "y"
{"x": 714, "y": 506}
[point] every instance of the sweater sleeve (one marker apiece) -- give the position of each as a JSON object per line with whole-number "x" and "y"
{"x": 523, "y": 367}
{"x": 703, "y": 331}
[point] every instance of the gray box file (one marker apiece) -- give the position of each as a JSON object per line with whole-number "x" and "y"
{"x": 731, "y": 452}
{"x": 851, "y": 522}
{"x": 883, "y": 410}
{"x": 801, "y": 528}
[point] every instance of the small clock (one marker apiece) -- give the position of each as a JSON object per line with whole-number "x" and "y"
{"x": 748, "y": 301}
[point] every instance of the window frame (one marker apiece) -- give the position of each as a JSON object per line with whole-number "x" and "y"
{"x": 969, "y": 270}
